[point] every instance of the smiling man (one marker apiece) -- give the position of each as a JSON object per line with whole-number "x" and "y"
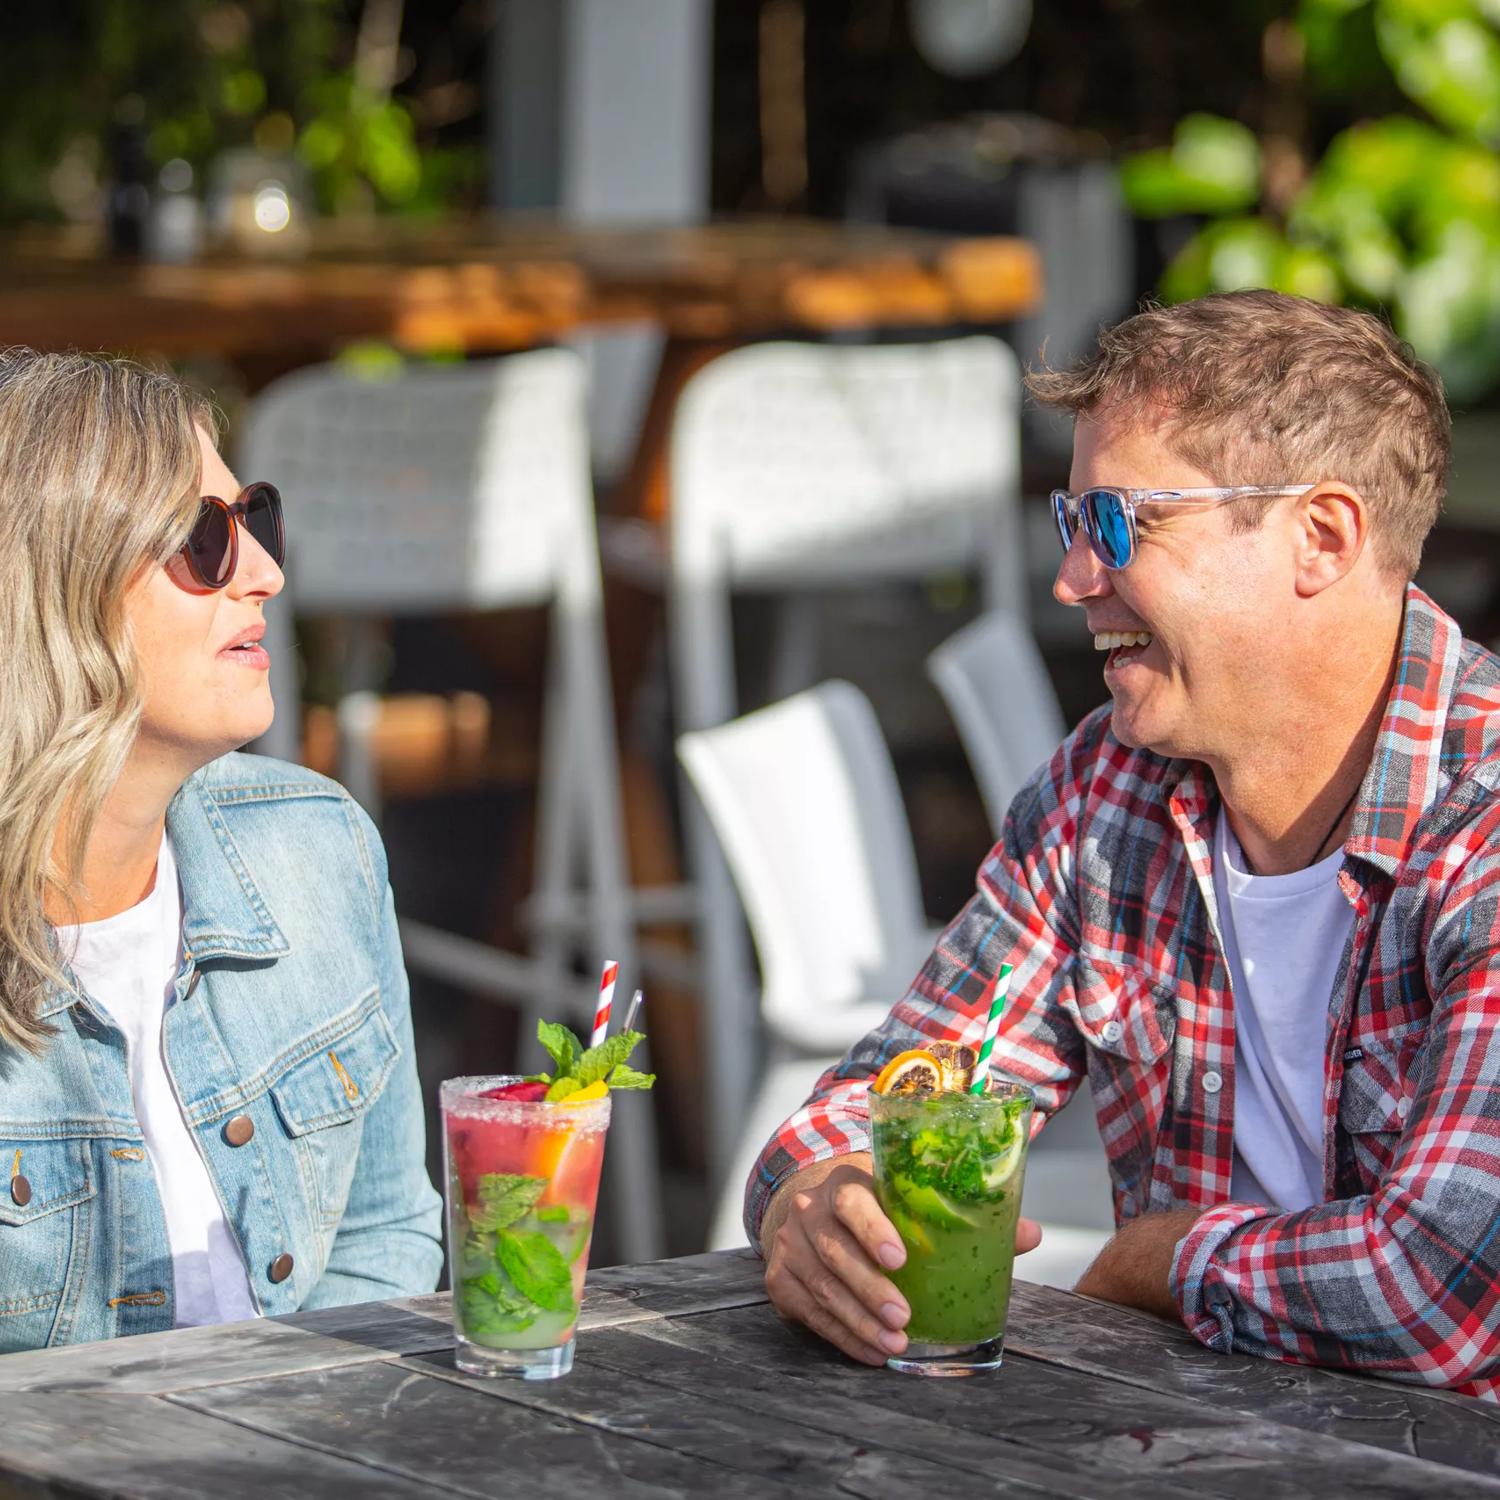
{"x": 1255, "y": 898}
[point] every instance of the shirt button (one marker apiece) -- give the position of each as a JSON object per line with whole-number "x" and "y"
{"x": 1112, "y": 1031}
{"x": 1212, "y": 1083}
{"x": 239, "y": 1130}
{"x": 1403, "y": 1108}
{"x": 20, "y": 1191}
{"x": 281, "y": 1267}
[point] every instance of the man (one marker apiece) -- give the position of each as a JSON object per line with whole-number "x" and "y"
{"x": 1256, "y": 897}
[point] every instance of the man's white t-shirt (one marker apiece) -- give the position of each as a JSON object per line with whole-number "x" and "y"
{"x": 128, "y": 964}
{"x": 1284, "y": 936}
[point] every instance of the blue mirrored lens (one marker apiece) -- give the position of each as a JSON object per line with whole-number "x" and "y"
{"x": 1108, "y": 526}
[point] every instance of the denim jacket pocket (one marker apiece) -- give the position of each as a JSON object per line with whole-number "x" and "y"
{"x": 38, "y": 1236}
{"x": 323, "y": 1099}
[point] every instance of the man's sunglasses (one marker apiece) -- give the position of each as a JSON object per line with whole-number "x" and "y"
{"x": 212, "y": 550}
{"x": 1108, "y": 515}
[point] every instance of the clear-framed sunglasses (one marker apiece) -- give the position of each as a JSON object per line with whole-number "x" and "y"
{"x": 1108, "y": 514}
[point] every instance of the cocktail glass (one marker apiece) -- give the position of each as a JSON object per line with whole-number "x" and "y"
{"x": 521, "y": 1179}
{"x": 948, "y": 1174}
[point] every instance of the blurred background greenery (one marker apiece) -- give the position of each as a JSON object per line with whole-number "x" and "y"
{"x": 1344, "y": 149}
{"x": 372, "y": 101}
{"x": 1398, "y": 210}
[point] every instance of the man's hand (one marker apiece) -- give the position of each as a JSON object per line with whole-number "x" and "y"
{"x": 1135, "y": 1267}
{"x": 827, "y": 1247}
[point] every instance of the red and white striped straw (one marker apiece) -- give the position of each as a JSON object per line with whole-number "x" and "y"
{"x": 606, "y": 995}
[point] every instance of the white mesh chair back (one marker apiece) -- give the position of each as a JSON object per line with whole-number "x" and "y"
{"x": 804, "y": 800}
{"x": 996, "y": 686}
{"x": 806, "y": 462}
{"x": 433, "y": 488}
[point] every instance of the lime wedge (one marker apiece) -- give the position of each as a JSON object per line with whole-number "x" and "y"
{"x": 931, "y": 1204}
{"x": 913, "y": 1236}
{"x": 1000, "y": 1169}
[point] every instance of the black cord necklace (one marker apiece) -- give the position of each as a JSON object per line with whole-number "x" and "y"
{"x": 1333, "y": 828}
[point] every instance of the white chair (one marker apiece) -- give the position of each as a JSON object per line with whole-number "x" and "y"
{"x": 804, "y": 800}
{"x": 992, "y": 678}
{"x": 796, "y": 467}
{"x": 436, "y": 489}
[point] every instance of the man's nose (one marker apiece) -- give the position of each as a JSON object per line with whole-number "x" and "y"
{"x": 1081, "y": 576}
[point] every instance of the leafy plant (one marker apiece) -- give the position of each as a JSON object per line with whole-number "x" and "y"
{"x": 1400, "y": 212}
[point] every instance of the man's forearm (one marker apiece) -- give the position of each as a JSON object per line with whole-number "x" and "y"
{"x": 1135, "y": 1267}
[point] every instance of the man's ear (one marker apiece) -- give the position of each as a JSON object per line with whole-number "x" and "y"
{"x": 1330, "y": 532}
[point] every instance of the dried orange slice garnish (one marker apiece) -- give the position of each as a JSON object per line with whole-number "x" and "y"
{"x": 914, "y": 1072}
{"x": 956, "y": 1063}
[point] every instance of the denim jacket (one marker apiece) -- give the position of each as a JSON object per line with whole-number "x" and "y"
{"x": 290, "y": 1015}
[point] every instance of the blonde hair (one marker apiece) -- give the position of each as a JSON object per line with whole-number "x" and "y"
{"x": 1258, "y": 387}
{"x": 99, "y": 479}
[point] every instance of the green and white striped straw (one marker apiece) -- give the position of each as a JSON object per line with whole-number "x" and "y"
{"x": 991, "y": 1029}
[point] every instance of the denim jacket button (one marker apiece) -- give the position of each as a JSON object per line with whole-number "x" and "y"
{"x": 20, "y": 1191}
{"x": 239, "y": 1130}
{"x": 281, "y": 1267}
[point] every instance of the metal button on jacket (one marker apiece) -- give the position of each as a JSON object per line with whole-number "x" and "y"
{"x": 1212, "y": 1083}
{"x": 239, "y": 1130}
{"x": 281, "y": 1267}
{"x": 20, "y": 1191}
{"x": 1111, "y": 1031}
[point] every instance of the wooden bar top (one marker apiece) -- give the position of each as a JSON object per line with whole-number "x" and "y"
{"x": 500, "y": 284}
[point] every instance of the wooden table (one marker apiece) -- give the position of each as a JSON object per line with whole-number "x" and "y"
{"x": 687, "y": 1384}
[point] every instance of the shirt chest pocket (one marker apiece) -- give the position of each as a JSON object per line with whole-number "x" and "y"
{"x": 322, "y": 1101}
{"x": 1125, "y": 1018}
{"x": 1128, "y": 1024}
{"x": 45, "y": 1192}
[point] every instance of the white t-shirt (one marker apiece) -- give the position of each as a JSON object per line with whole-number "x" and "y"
{"x": 127, "y": 964}
{"x": 1283, "y": 937}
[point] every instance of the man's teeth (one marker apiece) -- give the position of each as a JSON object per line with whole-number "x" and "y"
{"x": 1108, "y": 640}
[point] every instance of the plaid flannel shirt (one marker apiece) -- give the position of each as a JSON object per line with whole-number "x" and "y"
{"x": 1101, "y": 894}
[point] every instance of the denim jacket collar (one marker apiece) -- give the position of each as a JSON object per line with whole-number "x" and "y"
{"x": 224, "y": 913}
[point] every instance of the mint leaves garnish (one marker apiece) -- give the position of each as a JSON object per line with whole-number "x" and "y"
{"x": 503, "y": 1199}
{"x": 536, "y": 1269}
{"x": 576, "y": 1067}
{"x": 517, "y": 1258}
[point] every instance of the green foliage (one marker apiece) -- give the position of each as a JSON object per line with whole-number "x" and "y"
{"x": 210, "y": 75}
{"x": 1401, "y": 212}
{"x": 1211, "y": 167}
{"x": 536, "y": 1268}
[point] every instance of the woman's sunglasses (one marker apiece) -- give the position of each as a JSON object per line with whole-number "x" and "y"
{"x": 1108, "y": 515}
{"x": 212, "y": 550}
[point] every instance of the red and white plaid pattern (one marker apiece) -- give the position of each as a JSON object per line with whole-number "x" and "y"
{"x": 1100, "y": 892}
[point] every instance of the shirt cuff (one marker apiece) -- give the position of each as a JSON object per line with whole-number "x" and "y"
{"x": 1198, "y": 1285}
{"x": 777, "y": 1165}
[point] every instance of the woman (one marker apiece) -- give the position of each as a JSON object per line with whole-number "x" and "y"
{"x": 208, "y": 1102}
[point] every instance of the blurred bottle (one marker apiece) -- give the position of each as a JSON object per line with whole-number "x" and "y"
{"x": 128, "y": 198}
{"x": 176, "y": 227}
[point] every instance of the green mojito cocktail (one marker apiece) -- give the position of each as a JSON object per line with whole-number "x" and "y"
{"x": 948, "y": 1174}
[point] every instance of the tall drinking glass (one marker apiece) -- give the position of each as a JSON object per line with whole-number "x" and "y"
{"x": 948, "y": 1174}
{"x": 520, "y": 1179}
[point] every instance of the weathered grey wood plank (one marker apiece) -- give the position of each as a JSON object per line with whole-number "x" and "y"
{"x": 186, "y": 1357}
{"x": 1096, "y": 1422}
{"x": 399, "y": 1419}
{"x": 1137, "y": 1349}
{"x": 327, "y": 1337}
{"x": 768, "y": 1449}
{"x": 138, "y": 1448}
